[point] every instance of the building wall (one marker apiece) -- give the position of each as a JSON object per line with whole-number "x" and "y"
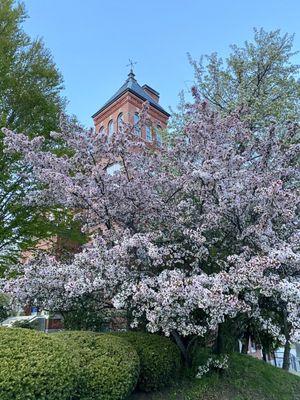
{"x": 129, "y": 104}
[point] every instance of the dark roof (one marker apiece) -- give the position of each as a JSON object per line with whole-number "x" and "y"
{"x": 150, "y": 89}
{"x": 132, "y": 86}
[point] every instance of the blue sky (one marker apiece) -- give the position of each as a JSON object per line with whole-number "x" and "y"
{"x": 92, "y": 40}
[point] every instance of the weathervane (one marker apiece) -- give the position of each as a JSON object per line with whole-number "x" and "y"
{"x": 131, "y": 64}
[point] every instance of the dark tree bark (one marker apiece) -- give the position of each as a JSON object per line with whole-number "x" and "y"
{"x": 182, "y": 347}
{"x": 219, "y": 347}
{"x": 227, "y": 337}
{"x": 245, "y": 345}
{"x": 286, "y": 356}
{"x": 264, "y": 354}
{"x": 287, "y": 346}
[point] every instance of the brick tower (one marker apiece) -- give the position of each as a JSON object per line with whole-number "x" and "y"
{"x": 125, "y": 106}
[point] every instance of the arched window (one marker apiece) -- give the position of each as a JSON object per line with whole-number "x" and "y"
{"x": 101, "y": 130}
{"x": 110, "y": 128}
{"x": 137, "y": 128}
{"x": 120, "y": 120}
{"x": 148, "y": 133}
{"x": 158, "y": 135}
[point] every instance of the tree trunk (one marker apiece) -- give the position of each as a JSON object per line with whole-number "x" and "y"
{"x": 286, "y": 356}
{"x": 245, "y": 345}
{"x": 227, "y": 338}
{"x": 183, "y": 349}
{"x": 220, "y": 343}
{"x": 219, "y": 346}
{"x": 274, "y": 356}
{"x": 287, "y": 346}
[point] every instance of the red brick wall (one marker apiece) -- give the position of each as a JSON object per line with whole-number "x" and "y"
{"x": 55, "y": 324}
{"x": 129, "y": 104}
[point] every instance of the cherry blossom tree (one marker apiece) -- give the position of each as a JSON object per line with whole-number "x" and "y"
{"x": 185, "y": 238}
{"x": 259, "y": 76}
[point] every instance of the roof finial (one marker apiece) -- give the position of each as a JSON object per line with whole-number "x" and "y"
{"x": 131, "y": 65}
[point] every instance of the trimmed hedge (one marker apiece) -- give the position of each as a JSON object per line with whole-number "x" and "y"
{"x": 159, "y": 357}
{"x": 109, "y": 366}
{"x": 33, "y": 366}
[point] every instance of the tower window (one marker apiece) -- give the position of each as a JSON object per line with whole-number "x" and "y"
{"x": 158, "y": 135}
{"x": 101, "y": 130}
{"x": 110, "y": 128}
{"x": 148, "y": 133}
{"x": 137, "y": 128}
{"x": 120, "y": 120}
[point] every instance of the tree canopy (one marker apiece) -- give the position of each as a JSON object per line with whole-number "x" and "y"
{"x": 259, "y": 77}
{"x": 31, "y": 86}
{"x": 31, "y": 102}
{"x": 186, "y": 238}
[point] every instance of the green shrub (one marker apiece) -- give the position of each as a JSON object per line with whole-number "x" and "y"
{"x": 109, "y": 366}
{"x": 201, "y": 354}
{"x": 25, "y": 325}
{"x": 4, "y": 307}
{"x": 159, "y": 357}
{"x": 33, "y": 366}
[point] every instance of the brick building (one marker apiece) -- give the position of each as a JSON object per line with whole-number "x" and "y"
{"x": 125, "y": 106}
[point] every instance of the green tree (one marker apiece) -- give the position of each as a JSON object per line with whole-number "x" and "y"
{"x": 259, "y": 77}
{"x": 31, "y": 102}
{"x": 31, "y": 85}
{"x": 4, "y": 307}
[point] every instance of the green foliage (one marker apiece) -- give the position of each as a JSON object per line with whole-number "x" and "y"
{"x": 30, "y": 86}
{"x": 159, "y": 356}
{"x": 26, "y": 325}
{"x": 200, "y": 356}
{"x": 85, "y": 315}
{"x": 30, "y": 103}
{"x": 83, "y": 319}
{"x": 246, "y": 379}
{"x": 33, "y": 366}
{"x": 259, "y": 77}
{"x": 4, "y": 307}
{"x": 109, "y": 366}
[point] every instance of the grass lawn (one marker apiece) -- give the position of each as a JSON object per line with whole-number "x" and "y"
{"x": 246, "y": 379}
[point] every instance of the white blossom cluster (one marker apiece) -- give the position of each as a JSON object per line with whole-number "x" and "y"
{"x": 219, "y": 363}
{"x": 184, "y": 238}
